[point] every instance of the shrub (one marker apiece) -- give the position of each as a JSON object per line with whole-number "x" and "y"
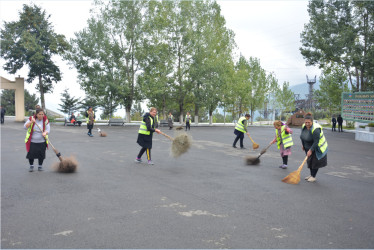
{"x": 371, "y": 124}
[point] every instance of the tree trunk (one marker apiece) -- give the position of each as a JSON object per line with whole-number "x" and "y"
{"x": 196, "y": 114}
{"x": 128, "y": 116}
{"x": 210, "y": 117}
{"x": 42, "y": 100}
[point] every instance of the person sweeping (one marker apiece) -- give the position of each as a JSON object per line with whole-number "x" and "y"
{"x": 36, "y": 139}
{"x": 314, "y": 144}
{"x": 240, "y": 130}
{"x": 284, "y": 141}
{"x": 90, "y": 119}
{"x": 145, "y": 134}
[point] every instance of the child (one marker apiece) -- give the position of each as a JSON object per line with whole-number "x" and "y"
{"x": 284, "y": 141}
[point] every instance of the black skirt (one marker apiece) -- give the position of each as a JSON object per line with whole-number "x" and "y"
{"x": 37, "y": 150}
{"x": 145, "y": 141}
{"x": 314, "y": 163}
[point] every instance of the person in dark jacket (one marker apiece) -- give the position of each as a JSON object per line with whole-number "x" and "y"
{"x": 340, "y": 123}
{"x": 333, "y": 120}
{"x": 2, "y": 114}
{"x": 240, "y": 129}
{"x": 90, "y": 119}
{"x": 145, "y": 135}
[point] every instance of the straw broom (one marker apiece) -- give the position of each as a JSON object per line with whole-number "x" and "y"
{"x": 250, "y": 160}
{"x": 294, "y": 177}
{"x": 255, "y": 145}
{"x": 180, "y": 144}
{"x": 68, "y": 165}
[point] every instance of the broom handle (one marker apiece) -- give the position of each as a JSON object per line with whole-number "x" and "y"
{"x": 250, "y": 137}
{"x": 171, "y": 138}
{"x": 264, "y": 150}
{"x": 302, "y": 164}
{"x": 56, "y": 152}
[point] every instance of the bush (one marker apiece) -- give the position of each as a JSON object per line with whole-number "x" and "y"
{"x": 371, "y": 124}
{"x": 362, "y": 126}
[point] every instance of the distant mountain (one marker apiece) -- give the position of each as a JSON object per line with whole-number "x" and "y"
{"x": 303, "y": 89}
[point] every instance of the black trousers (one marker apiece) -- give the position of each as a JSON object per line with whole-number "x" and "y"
{"x": 333, "y": 127}
{"x": 142, "y": 152}
{"x": 241, "y": 137}
{"x": 2, "y": 119}
{"x": 285, "y": 159}
{"x": 313, "y": 172}
{"x": 340, "y": 127}
{"x": 188, "y": 125}
{"x": 31, "y": 161}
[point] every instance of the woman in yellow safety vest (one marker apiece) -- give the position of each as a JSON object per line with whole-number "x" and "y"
{"x": 145, "y": 133}
{"x": 314, "y": 144}
{"x": 36, "y": 140}
{"x": 240, "y": 129}
{"x": 284, "y": 141}
{"x": 188, "y": 120}
{"x": 90, "y": 119}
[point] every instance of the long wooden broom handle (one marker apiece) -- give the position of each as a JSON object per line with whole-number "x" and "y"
{"x": 250, "y": 137}
{"x": 171, "y": 138}
{"x": 49, "y": 141}
{"x": 302, "y": 164}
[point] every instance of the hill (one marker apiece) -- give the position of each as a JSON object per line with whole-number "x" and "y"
{"x": 303, "y": 89}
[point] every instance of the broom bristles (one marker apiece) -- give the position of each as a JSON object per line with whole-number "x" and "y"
{"x": 103, "y": 134}
{"x": 255, "y": 146}
{"x": 250, "y": 160}
{"x": 67, "y": 165}
{"x": 180, "y": 145}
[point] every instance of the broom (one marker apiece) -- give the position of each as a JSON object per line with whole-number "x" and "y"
{"x": 180, "y": 144}
{"x": 102, "y": 134}
{"x": 255, "y": 145}
{"x": 68, "y": 165}
{"x": 294, "y": 177}
{"x": 250, "y": 160}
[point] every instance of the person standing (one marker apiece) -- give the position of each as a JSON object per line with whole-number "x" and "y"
{"x": 170, "y": 121}
{"x": 284, "y": 141}
{"x": 188, "y": 120}
{"x": 2, "y": 114}
{"x": 315, "y": 146}
{"x": 36, "y": 140}
{"x": 90, "y": 119}
{"x": 333, "y": 121}
{"x": 145, "y": 135}
{"x": 340, "y": 123}
{"x": 240, "y": 129}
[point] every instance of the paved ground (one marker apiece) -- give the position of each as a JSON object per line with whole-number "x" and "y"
{"x": 207, "y": 198}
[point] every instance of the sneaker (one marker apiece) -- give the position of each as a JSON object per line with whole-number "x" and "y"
{"x": 284, "y": 166}
{"x": 88, "y": 133}
{"x": 91, "y": 135}
{"x": 306, "y": 178}
{"x": 40, "y": 169}
{"x": 138, "y": 160}
{"x": 311, "y": 179}
{"x": 150, "y": 163}
{"x": 31, "y": 169}
{"x": 243, "y": 148}
{"x": 234, "y": 146}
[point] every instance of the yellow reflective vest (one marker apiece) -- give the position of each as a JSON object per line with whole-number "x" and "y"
{"x": 188, "y": 117}
{"x": 286, "y": 138}
{"x": 239, "y": 125}
{"x": 322, "y": 143}
{"x": 28, "y": 134}
{"x": 143, "y": 127}
{"x": 88, "y": 118}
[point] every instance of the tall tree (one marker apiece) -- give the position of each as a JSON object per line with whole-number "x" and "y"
{"x": 106, "y": 53}
{"x": 332, "y": 84}
{"x": 31, "y": 41}
{"x": 7, "y": 100}
{"x": 341, "y": 32}
{"x": 68, "y": 103}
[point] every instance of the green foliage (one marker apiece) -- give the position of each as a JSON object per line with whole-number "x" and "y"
{"x": 371, "y": 124}
{"x": 31, "y": 41}
{"x": 7, "y": 99}
{"x": 69, "y": 104}
{"x": 285, "y": 99}
{"x": 341, "y": 32}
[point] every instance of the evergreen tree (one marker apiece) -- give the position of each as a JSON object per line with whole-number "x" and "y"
{"x": 69, "y": 104}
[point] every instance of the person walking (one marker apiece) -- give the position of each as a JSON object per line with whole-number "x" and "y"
{"x": 340, "y": 123}
{"x": 284, "y": 141}
{"x": 314, "y": 144}
{"x": 90, "y": 119}
{"x": 170, "y": 121}
{"x": 145, "y": 135}
{"x": 188, "y": 120}
{"x": 2, "y": 114}
{"x": 333, "y": 121}
{"x": 240, "y": 129}
{"x": 36, "y": 140}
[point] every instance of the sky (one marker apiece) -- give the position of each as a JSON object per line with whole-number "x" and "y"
{"x": 267, "y": 30}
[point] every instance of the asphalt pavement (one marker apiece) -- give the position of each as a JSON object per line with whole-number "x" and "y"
{"x": 207, "y": 198}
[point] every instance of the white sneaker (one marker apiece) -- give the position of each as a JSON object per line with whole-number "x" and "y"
{"x": 306, "y": 178}
{"x": 312, "y": 179}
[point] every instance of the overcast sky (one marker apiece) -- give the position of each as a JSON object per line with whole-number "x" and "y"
{"x": 268, "y": 30}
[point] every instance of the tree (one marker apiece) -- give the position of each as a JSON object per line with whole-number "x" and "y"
{"x": 69, "y": 103}
{"x": 7, "y": 100}
{"x": 341, "y": 32}
{"x": 285, "y": 99}
{"x": 332, "y": 84}
{"x": 31, "y": 41}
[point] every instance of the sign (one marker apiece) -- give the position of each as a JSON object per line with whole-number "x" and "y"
{"x": 358, "y": 106}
